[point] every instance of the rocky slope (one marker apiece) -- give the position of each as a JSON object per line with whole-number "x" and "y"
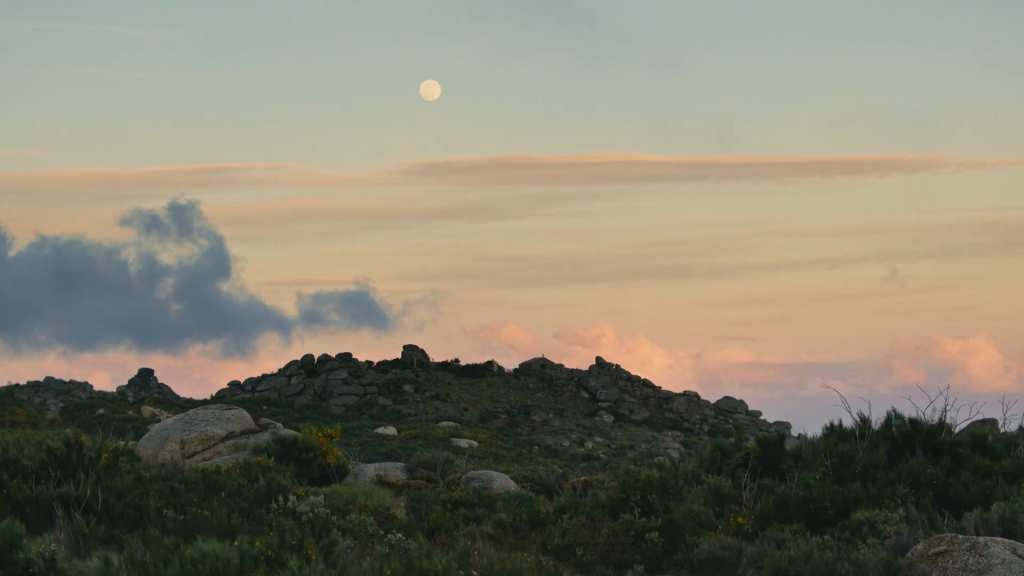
{"x": 343, "y": 383}
{"x": 543, "y": 402}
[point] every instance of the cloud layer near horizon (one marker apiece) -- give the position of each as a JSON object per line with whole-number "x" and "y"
{"x": 787, "y": 388}
{"x": 173, "y": 285}
{"x": 541, "y": 170}
{"x": 974, "y": 364}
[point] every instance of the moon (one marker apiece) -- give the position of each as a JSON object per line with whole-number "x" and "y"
{"x": 430, "y": 90}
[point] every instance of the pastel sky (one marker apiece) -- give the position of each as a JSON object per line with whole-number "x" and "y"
{"x": 739, "y": 198}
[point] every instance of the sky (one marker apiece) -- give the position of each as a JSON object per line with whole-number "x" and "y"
{"x": 737, "y": 198}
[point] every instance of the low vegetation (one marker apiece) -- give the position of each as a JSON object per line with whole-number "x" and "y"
{"x": 76, "y": 499}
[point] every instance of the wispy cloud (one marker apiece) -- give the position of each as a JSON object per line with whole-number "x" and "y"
{"x": 167, "y": 76}
{"x": 554, "y": 170}
{"x": 974, "y": 209}
{"x": 131, "y": 74}
{"x": 587, "y": 169}
{"x": 193, "y": 177}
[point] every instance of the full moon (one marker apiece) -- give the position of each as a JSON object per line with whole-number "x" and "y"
{"x": 430, "y": 90}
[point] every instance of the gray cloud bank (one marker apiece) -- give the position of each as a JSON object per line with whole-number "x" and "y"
{"x": 173, "y": 285}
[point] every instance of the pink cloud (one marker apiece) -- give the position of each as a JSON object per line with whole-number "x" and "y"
{"x": 976, "y": 364}
{"x": 971, "y": 365}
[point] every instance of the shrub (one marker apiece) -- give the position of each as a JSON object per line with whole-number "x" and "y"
{"x": 311, "y": 455}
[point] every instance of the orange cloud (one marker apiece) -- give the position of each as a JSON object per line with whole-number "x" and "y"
{"x": 556, "y": 170}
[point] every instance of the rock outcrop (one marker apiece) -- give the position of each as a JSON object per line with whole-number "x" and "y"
{"x": 337, "y": 383}
{"x": 146, "y": 385}
{"x": 627, "y": 397}
{"x": 53, "y": 393}
{"x": 216, "y": 432}
{"x": 493, "y": 482}
{"x": 414, "y": 354}
{"x": 989, "y": 425}
{"x": 957, "y": 555}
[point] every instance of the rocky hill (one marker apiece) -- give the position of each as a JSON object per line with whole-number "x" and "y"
{"x": 605, "y": 409}
{"x": 338, "y": 465}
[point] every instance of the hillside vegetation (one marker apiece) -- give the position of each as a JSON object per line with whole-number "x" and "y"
{"x": 615, "y": 476}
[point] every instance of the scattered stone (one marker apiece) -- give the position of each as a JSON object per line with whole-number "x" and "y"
{"x": 386, "y": 431}
{"x": 493, "y": 482}
{"x": 234, "y": 383}
{"x": 408, "y": 388}
{"x": 382, "y": 401}
{"x": 605, "y": 417}
{"x": 267, "y": 424}
{"x": 100, "y": 412}
{"x": 307, "y": 361}
{"x": 673, "y": 449}
{"x": 464, "y": 443}
{"x": 151, "y": 412}
{"x": 370, "y": 473}
{"x": 446, "y": 424}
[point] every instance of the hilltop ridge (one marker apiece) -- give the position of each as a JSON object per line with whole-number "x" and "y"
{"x": 539, "y": 402}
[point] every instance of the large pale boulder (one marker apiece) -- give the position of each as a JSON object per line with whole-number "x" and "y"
{"x": 957, "y": 555}
{"x": 464, "y": 443}
{"x": 369, "y": 473}
{"x": 493, "y": 482}
{"x": 202, "y": 435}
{"x": 386, "y": 431}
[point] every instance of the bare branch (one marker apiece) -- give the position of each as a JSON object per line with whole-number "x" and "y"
{"x": 1006, "y": 420}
